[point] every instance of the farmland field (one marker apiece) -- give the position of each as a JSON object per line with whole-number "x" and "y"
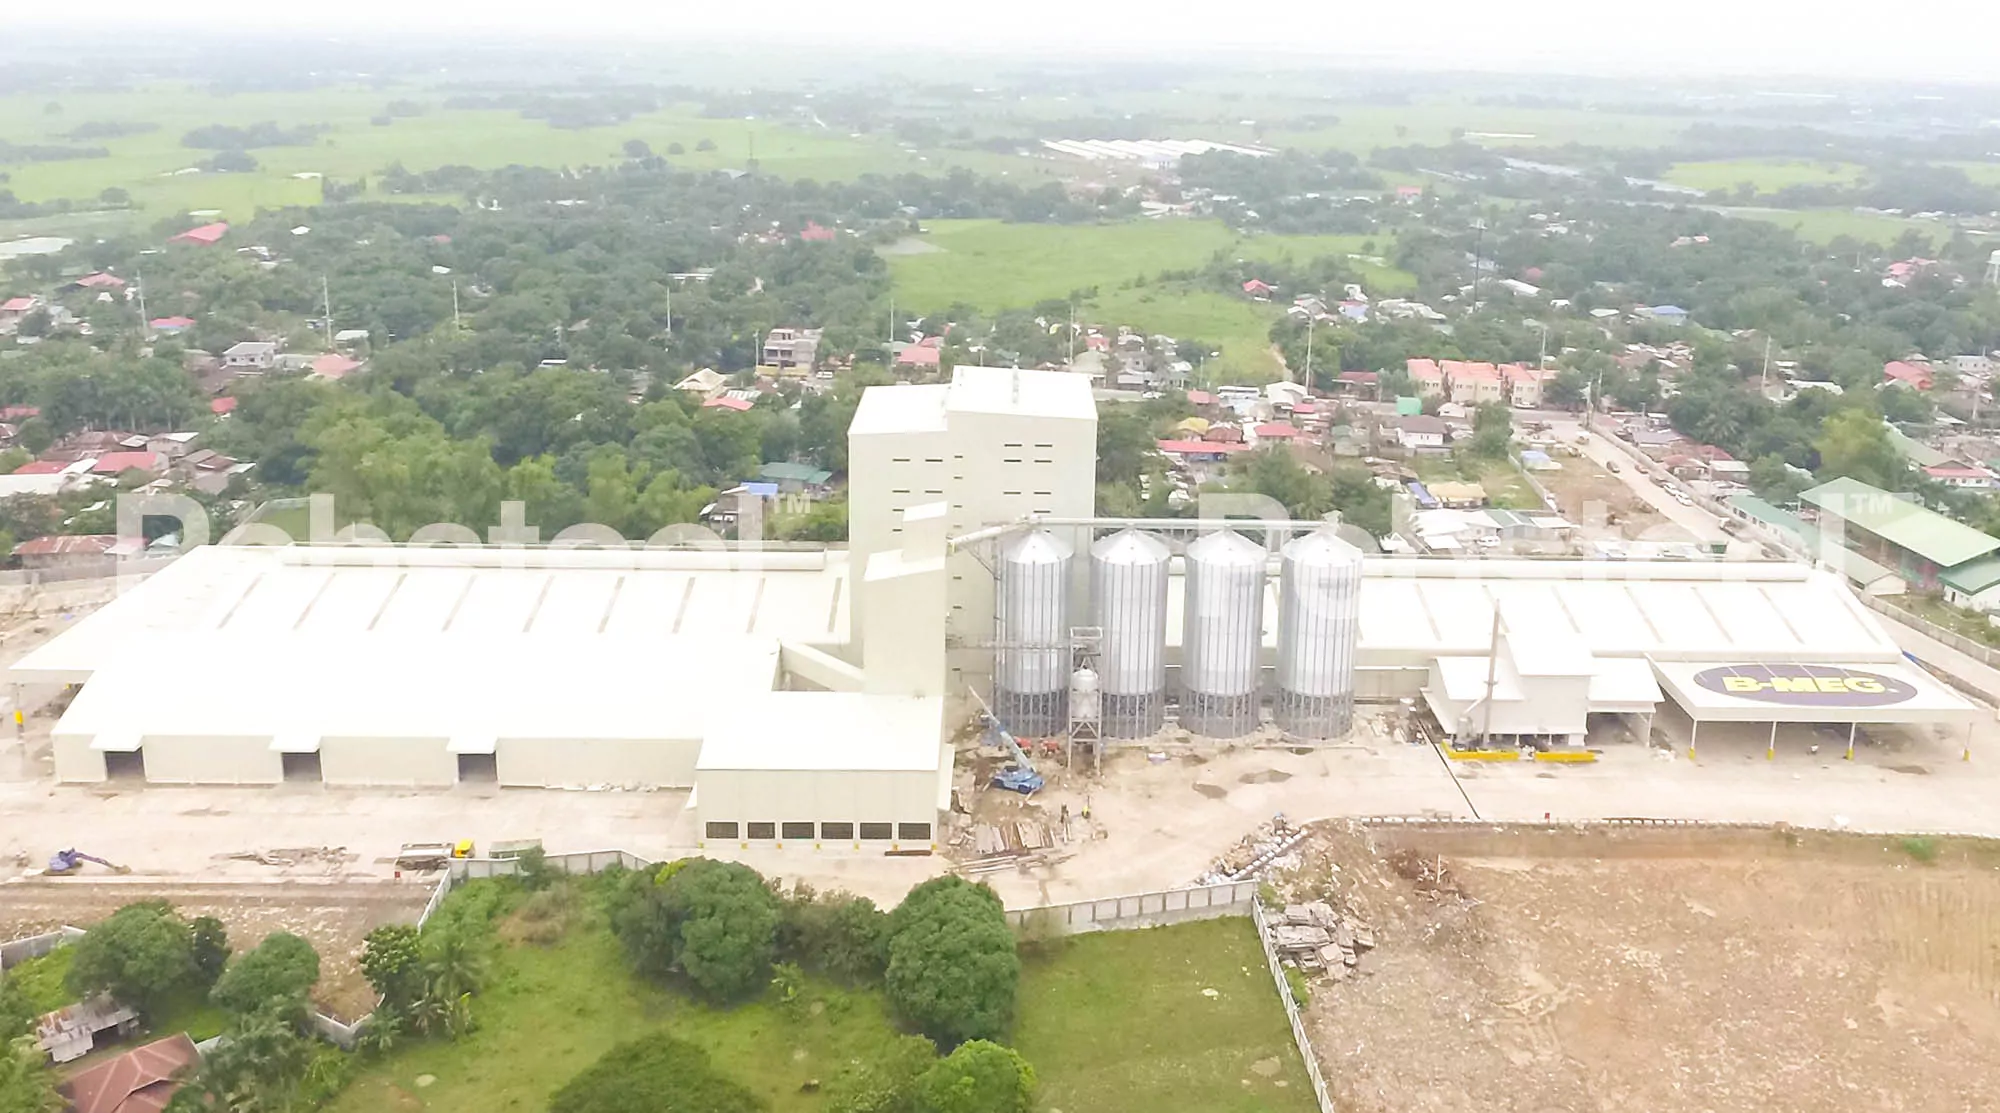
{"x": 1767, "y": 174}
{"x": 353, "y": 147}
{"x": 991, "y": 266}
{"x": 1362, "y": 128}
{"x": 1823, "y": 226}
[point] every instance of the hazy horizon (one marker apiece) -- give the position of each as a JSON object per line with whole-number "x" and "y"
{"x": 1942, "y": 41}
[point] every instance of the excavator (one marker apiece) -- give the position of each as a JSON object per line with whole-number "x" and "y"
{"x": 69, "y": 861}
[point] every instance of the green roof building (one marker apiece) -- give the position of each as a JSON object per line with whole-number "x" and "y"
{"x": 1921, "y": 544}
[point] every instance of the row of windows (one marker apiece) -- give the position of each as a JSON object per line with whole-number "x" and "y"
{"x": 829, "y": 832}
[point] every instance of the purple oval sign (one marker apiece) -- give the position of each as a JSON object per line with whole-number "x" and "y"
{"x": 1806, "y": 685}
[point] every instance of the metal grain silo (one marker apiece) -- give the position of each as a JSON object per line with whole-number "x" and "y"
{"x": 1128, "y": 599}
{"x": 1031, "y": 665}
{"x": 1222, "y": 635}
{"x": 1319, "y": 622}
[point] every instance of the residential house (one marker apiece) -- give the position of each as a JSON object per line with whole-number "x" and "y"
{"x": 706, "y": 382}
{"x": 69, "y": 552}
{"x": 1664, "y": 314}
{"x": 209, "y": 471}
{"x": 924, "y": 353}
{"x": 1420, "y": 432}
{"x": 1276, "y": 432}
{"x": 333, "y": 367}
{"x": 205, "y": 236}
{"x": 1519, "y": 288}
{"x": 1285, "y": 395}
{"x": 222, "y": 407}
{"x": 1474, "y": 384}
{"x": 170, "y": 326}
{"x": 1366, "y": 383}
{"x": 790, "y": 347}
{"x": 725, "y": 402}
{"x": 1428, "y": 377}
{"x": 1454, "y": 495}
{"x": 1258, "y": 289}
{"x": 1916, "y": 376}
{"x": 1965, "y": 477}
{"x": 172, "y": 445}
{"x": 142, "y": 1080}
{"x": 1975, "y": 365}
{"x": 813, "y": 233}
{"x": 13, "y": 309}
{"x": 114, "y": 464}
{"x": 1657, "y": 443}
{"x": 251, "y": 357}
{"x": 350, "y": 337}
{"x": 797, "y": 478}
{"x": 1524, "y": 385}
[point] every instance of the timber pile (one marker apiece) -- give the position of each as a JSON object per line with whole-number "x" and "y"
{"x": 1319, "y": 940}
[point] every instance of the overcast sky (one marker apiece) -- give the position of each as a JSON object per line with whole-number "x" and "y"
{"x": 1956, "y": 40}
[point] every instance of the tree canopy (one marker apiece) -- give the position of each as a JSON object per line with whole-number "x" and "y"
{"x": 953, "y": 972}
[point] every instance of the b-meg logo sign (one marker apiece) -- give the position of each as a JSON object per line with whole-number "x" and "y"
{"x": 1806, "y": 685}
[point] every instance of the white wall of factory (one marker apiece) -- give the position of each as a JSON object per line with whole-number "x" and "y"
{"x": 994, "y": 445}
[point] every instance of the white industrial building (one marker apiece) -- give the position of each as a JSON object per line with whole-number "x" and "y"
{"x": 808, "y": 695}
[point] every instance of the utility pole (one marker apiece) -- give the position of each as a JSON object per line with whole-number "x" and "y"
{"x": 139, "y": 290}
{"x": 670, "y": 306}
{"x": 1492, "y": 664}
{"x": 326, "y": 304}
{"x": 1764, "y": 376}
{"x": 1072, "y": 334}
{"x": 455, "y": 326}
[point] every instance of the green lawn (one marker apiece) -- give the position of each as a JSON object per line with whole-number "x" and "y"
{"x": 1823, "y": 226}
{"x": 993, "y": 265}
{"x": 145, "y": 164}
{"x": 1111, "y": 1022}
{"x": 1378, "y": 279}
{"x": 1767, "y": 174}
{"x": 551, "y": 1012}
{"x": 1118, "y": 1023}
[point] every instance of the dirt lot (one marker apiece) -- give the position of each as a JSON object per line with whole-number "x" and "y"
{"x": 1602, "y": 503}
{"x": 1662, "y": 970}
{"x": 333, "y": 917}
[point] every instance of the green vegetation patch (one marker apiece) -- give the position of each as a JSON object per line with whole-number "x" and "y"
{"x": 1767, "y": 174}
{"x": 1823, "y": 226}
{"x": 549, "y": 1013}
{"x": 1122, "y": 1022}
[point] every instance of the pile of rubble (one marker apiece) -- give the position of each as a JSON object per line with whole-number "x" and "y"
{"x": 1319, "y": 940}
{"x": 1256, "y": 852}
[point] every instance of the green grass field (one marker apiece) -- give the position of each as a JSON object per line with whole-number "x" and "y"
{"x": 1114, "y": 1022}
{"x": 1118, "y": 1023}
{"x": 992, "y": 265}
{"x": 146, "y": 164}
{"x": 1823, "y": 226}
{"x": 1768, "y": 175}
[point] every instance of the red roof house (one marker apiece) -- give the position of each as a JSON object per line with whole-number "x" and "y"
{"x": 1275, "y": 431}
{"x": 924, "y": 353}
{"x": 118, "y": 463}
{"x": 142, "y": 1080}
{"x": 170, "y": 324}
{"x": 101, "y": 281}
{"x": 204, "y": 236}
{"x": 1258, "y": 288}
{"x": 221, "y": 406}
{"x": 815, "y": 234}
{"x": 1200, "y": 398}
{"x": 21, "y": 306}
{"x": 40, "y": 467}
{"x": 725, "y": 402}
{"x": 18, "y": 413}
{"x": 1913, "y": 375}
{"x": 334, "y": 367}
{"x": 67, "y": 545}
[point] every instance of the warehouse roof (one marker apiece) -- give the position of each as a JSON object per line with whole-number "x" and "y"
{"x": 477, "y": 605}
{"x": 810, "y": 731}
{"x": 1900, "y": 522}
{"x": 1858, "y": 569}
{"x": 1972, "y": 577}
